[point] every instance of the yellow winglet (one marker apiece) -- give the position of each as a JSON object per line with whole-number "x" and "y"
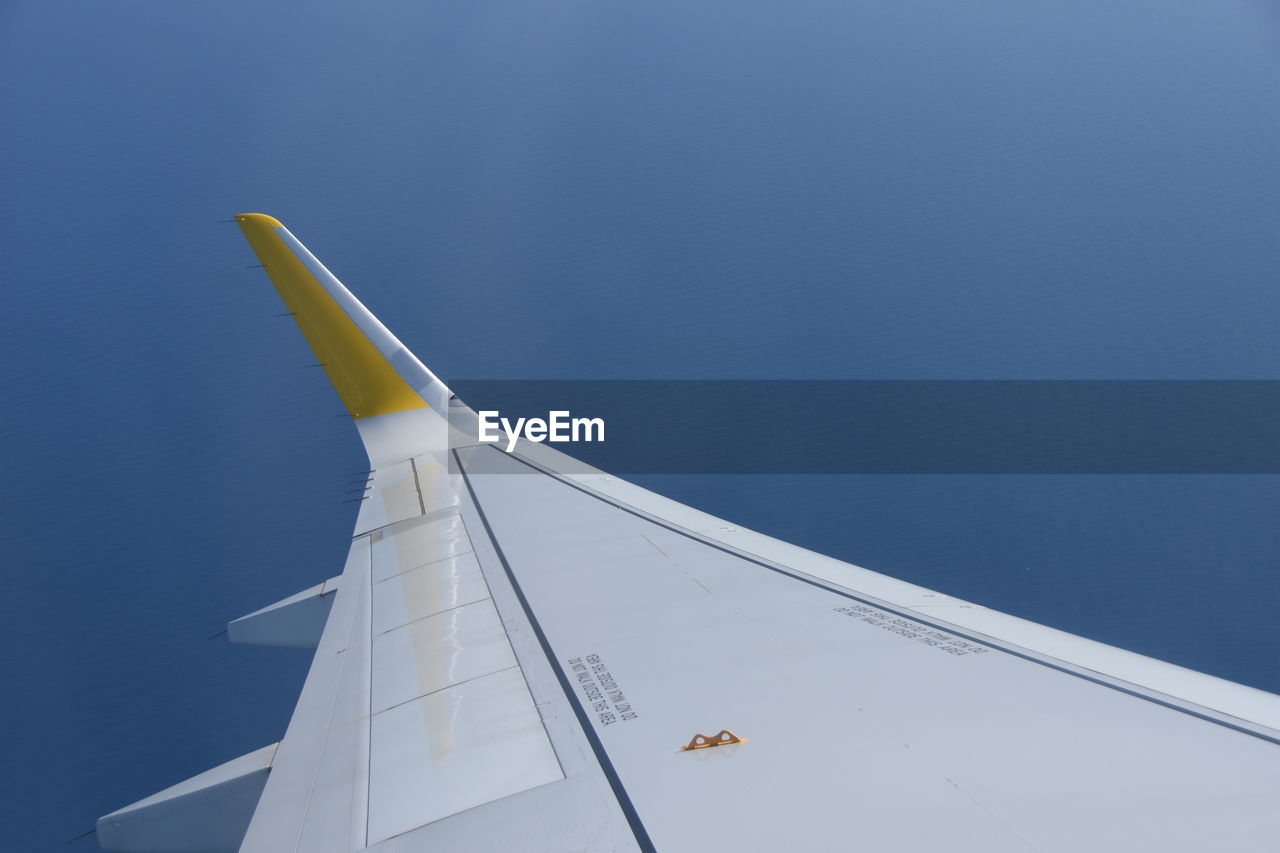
{"x": 364, "y": 379}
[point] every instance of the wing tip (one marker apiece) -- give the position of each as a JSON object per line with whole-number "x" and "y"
{"x": 258, "y": 219}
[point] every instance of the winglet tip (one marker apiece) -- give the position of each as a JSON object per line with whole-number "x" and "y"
{"x": 258, "y": 219}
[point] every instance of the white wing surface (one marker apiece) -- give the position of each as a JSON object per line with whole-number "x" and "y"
{"x": 515, "y": 655}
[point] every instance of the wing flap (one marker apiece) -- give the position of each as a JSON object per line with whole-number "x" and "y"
{"x": 416, "y": 706}
{"x": 454, "y": 749}
{"x": 393, "y": 496}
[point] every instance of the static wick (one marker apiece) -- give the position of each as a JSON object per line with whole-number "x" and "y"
{"x": 82, "y": 835}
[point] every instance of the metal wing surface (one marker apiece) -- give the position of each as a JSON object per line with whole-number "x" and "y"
{"x": 516, "y": 653}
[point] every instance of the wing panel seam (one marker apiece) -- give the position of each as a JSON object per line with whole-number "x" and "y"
{"x": 606, "y": 765}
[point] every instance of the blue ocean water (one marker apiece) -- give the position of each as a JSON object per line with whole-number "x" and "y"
{"x": 813, "y": 189}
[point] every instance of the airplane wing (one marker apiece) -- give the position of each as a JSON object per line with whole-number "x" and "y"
{"x": 522, "y": 656}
